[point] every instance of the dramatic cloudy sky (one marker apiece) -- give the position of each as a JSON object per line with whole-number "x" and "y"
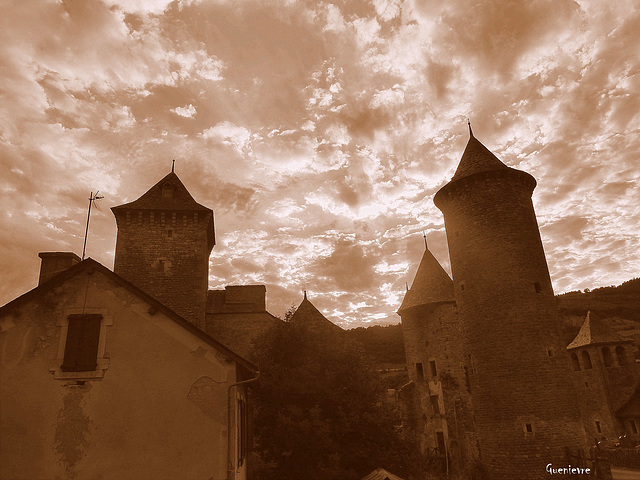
{"x": 318, "y": 132}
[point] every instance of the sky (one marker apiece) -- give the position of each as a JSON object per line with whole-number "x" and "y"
{"x": 318, "y": 132}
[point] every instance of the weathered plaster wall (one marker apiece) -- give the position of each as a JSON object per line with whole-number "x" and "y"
{"x": 160, "y": 410}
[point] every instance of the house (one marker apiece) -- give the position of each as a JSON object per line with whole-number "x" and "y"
{"x": 98, "y": 379}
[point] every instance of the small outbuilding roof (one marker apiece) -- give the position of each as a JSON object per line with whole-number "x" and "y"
{"x": 381, "y": 474}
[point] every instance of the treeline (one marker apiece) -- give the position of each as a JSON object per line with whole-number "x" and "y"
{"x": 383, "y": 343}
{"x": 613, "y": 301}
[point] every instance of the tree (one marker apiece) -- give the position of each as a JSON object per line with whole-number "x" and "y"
{"x": 319, "y": 412}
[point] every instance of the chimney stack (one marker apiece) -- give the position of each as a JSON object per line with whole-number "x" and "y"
{"x": 54, "y": 263}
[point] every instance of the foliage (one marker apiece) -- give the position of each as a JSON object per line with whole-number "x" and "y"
{"x": 319, "y": 411}
{"x": 384, "y": 343}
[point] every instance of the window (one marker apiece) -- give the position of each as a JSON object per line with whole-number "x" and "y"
{"x": 607, "y": 357}
{"x": 81, "y": 347}
{"x": 528, "y": 430}
{"x": 538, "y": 287}
{"x": 169, "y": 233}
{"x": 598, "y": 427}
{"x": 550, "y": 352}
{"x": 575, "y": 363}
{"x": 586, "y": 359}
{"x": 435, "y": 404}
{"x": 432, "y": 368}
{"x": 621, "y": 354}
{"x": 440, "y": 442}
{"x": 241, "y": 431}
{"x": 419, "y": 371}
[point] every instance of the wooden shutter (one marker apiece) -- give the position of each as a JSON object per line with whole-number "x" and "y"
{"x": 81, "y": 349}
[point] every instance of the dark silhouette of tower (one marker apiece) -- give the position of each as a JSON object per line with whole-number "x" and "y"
{"x": 164, "y": 241}
{"x": 526, "y": 415}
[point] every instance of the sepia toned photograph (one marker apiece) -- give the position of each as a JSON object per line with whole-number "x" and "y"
{"x": 319, "y": 240}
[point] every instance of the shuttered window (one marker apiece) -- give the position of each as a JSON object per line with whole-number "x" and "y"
{"x": 81, "y": 348}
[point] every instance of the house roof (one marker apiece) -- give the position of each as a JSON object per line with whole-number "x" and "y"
{"x": 477, "y": 158}
{"x": 309, "y": 316}
{"x": 154, "y": 199}
{"x": 595, "y": 331}
{"x": 90, "y": 264}
{"x": 430, "y": 285}
{"x": 381, "y": 474}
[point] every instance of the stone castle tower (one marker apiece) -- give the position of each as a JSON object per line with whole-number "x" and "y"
{"x": 522, "y": 404}
{"x": 435, "y": 364}
{"x": 163, "y": 245}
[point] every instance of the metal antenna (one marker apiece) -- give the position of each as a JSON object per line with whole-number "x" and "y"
{"x": 92, "y": 200}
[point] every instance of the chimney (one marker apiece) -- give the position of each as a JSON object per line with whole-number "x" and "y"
{"x": 54, "y": 263}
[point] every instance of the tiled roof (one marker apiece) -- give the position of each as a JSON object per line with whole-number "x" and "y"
{"x": 595, "y": 331}
{"x": 430, "y": 285}
{"x": 381, "y": 474}
{"x": 477, "y": 158}
{"x": 154, "y": 199}
{"x": 309, "y": 316}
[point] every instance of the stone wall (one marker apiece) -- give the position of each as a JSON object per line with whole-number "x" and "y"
{"x": 166, "y": 254}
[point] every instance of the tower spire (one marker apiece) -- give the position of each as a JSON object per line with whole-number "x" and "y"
{"x": 173, "y": 166}
{"x": 424, "y": 235}
{"x": 305, "y": 294}
{"x": 470, "y": 131}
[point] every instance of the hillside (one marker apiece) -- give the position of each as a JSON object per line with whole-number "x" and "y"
{"x": 385, "y": 343}
{"x": 615, "y": 301}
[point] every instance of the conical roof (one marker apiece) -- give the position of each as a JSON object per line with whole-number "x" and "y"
{"x": 168, "y": 194}
{"x": 477, "y": 158}
{"x": 309, "y": 316}
{"x": 430, "y": 285}
{"x": 595, "y": 331}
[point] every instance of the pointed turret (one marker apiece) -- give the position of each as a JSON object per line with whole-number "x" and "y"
{"x": 308, "y": 316}
{"x": 477, "y": 158}
{"x": 594, "y": 331}
{"x": 430, "y": 285}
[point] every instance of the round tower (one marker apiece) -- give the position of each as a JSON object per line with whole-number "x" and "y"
{"x": 431, "y": 331}
{"x": 519, "y": 378}
{"x": 163, "y": 246}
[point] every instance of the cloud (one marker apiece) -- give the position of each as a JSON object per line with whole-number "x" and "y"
{"x": 319, "y": 132}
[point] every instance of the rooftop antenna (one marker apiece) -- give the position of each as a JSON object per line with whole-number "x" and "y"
{"x": 424, "y": 235}
{"x": 173, "y": 166}
{"x": 92, "y": 201}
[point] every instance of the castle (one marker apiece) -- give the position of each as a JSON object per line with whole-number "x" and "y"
{"x": 485, "y": 351}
